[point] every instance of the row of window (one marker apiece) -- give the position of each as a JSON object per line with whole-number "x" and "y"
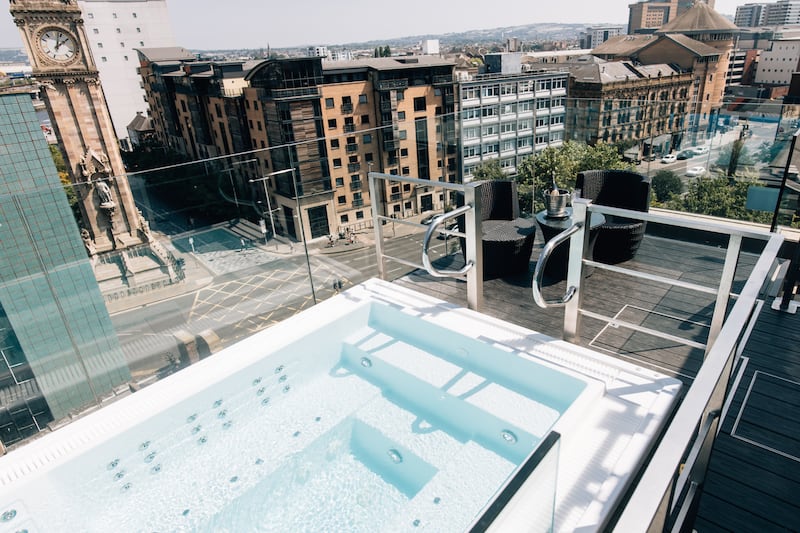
{"x": 113, "y": 15}
{"x": 96, "y": 31}
{"x": 346, "y": 100}
{"x": 122, "y": 44}
{"x": 509, "y": 88}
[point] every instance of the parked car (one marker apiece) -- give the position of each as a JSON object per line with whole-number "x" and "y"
{"x": 669, "y": 158}
{"x": 686, "y": 154}
{"x": 696, "y": 172}
{"x": 700, "y": 150}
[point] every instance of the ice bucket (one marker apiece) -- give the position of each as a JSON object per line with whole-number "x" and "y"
{"x": 556, "y": 203}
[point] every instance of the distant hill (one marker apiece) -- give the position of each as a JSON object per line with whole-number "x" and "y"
{"x": 526, "y": 33}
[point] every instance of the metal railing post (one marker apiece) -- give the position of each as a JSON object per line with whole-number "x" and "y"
{"x": 474, "y": 248}
{"x": 377, "y": 223}
{"x": 577, "y": 244}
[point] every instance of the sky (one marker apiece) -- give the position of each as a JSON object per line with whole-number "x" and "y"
{"x": 212, "y": 24}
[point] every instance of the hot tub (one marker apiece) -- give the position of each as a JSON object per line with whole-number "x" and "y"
{"x": 378, "y": 410}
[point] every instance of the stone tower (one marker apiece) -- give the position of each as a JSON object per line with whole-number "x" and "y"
{"x": 54, "y": 37}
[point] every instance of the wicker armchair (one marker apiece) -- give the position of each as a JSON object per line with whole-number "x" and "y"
{"x": 619, "y": 238}
{"x": 507, "y": 238}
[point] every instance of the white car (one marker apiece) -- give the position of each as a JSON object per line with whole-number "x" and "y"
{"x": 695, "y": 172}
{"x": 669, "y": 158}
{"x": 700, "y": 150}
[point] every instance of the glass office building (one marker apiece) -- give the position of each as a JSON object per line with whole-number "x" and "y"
{"x": 59, "y": 350}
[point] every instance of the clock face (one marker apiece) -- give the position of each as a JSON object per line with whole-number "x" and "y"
{"x": 57, "y": 44}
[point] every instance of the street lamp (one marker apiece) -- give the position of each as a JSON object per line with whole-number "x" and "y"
{"x": 299, "y": 219}
{"x": 230, "y": 177}
{"x": 264, "y": 180}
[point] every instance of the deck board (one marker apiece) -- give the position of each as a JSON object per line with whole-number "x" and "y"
{"x": 749, "y": 487}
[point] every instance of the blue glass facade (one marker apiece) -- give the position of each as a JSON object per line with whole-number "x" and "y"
{"x": 58, "y": 343}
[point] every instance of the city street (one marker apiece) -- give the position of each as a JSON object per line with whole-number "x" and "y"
{"x": 250, "y": 289}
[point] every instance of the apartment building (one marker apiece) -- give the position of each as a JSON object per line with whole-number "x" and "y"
{"x": 750, "y": 15}
{"x": 782, "y": 13}
{"x": 195, "y": 104}
{"x": 509, "y": 116}
{"x": 384, "y": 114}
{"x": 595, "y": 35}
{"x": 60, "y": 350}
{"x": 115, "y": 29}
{"x": 622, "y": 101}
{"x": 316, "y": 127}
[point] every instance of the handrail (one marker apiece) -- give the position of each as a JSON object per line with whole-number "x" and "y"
{"x": 437, "y": 221}
{"x": 471, "y": 232}
{"x": 651, "y": 501}
{"x": 538, "y": 273}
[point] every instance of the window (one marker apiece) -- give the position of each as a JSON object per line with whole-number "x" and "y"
{"x": 406, "y": 187}
{"x": 332, "y": 123}
{"x": 403, "y": 152}
{"x": 346, "y": 100}
{"x": 419, "y": 103}
{"x": 133, "y": 15}
{"x": 141, "y": 43}
{"x": 119, "y": 30}
{"x": 403, "y": 134}
{"x": 367, "y": 138}
{"x": 329, "y": 103}
{"x": 99, "y": 45}
{"x": 138, "y": 30}
{"x": 359, "y": 215}
{"x": 352, "y": 159}
{"x": 95, "y": 31}
{"x": 342, "y": 200}
{"x": 405, "y": 171}
{"x": 362, "y": 98}
{"x": 125, "y": 58}
{"x": 365, "y": 119}
{"x": 104, "y": 59}
{"x": 401, "y": 115}
{"x": 122, "y": 45}
{"x": 474, "y": 112}
{"x": 113, "y": 15}
{"x": 90, "y": 15}
{"x": 340, "y": 182}
{"x": 334, "y": 144}
{"x": 470, "y": 92}
{"x": 337, "y": 163}
{"x": 344, "y": 219}
{"x": 368, "y": 157}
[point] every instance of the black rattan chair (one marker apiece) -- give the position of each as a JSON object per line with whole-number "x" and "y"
{"x": 619, "y": 238}
{"x": 507, "y": 238}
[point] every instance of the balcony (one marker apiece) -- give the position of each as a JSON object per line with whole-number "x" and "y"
{"x": 358, "y": 202}
{"x": 353, "y": 167}
{"x": 386, "y": 106}
{"x": 356, "y": 185}
{"x": 352, "y": 147}
{"x": 208, "y": 286}
{"x": 349, "y": 128}
{"x": 347, "y": 109}
{"x": 388, "y": 85}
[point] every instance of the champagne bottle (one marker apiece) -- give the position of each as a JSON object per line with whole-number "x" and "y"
{"x": 553, "y": 186}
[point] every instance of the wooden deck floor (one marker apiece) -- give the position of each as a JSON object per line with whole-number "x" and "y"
{"x": 754, "y": 481}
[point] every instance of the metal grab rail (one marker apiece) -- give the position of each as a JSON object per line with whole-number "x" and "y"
{"x": 437, "y": 221}
{"x": 538, "y": 273}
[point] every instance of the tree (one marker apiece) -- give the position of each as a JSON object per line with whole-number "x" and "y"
{"x": 489, "y": 170}
{"x": 63, "y": 176}
{"x": 563, "y": 163}
{"x": 721, "y": 197}
{"x": 733, "y": 155}
{"x": 666, "y": 184}
{"x": 386, "y": 51}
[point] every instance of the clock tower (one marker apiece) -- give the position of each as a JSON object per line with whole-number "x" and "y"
{"x": 54, "y": 37}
